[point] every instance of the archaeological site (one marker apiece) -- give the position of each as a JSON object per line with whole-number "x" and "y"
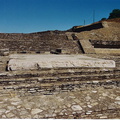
{"x": 72, "y": 74}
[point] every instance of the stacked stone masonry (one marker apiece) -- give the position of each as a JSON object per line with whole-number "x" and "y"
{"x": 105, "y": 44}
{"x": 43, "y": 41}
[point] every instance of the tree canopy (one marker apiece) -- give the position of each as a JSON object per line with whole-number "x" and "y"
{"x": 114, "y": 14}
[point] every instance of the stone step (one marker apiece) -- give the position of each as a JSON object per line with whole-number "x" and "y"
{"x": 55, "y": 79}
{"x": 87, "y": 47}
{"x": 59, "y": 72}
{"x": 51, "y": 88}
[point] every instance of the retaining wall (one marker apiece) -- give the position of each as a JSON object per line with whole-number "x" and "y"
{"x": 43, "y": 41}
{"x": 105, "y": 44}
{"x": 89, "y": 27}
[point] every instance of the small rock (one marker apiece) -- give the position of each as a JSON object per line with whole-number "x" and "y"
{"x": 25, "y": 117}
{"x": 95, "y": 103}
{"x": 64, "y": 110}
{"x": 66, "y": 114}
{"x": 117, "y": 98}
{"x": 41, "y": 116}
{"x": 36, "y": 117}
{"x": 53, "y": 115}
{"x": 104, "y": 94}
{"x": 11, "y": 107}
{"x": 88, "y": 98}
{"x": 2, "y": 110}
{"x": 57, "y": 110}
{"x": 61, "y": 113}
{"x": 68, "y": 105}
{"x": 94, "y": 91}
{"x": 3, "y": 105}
{"x": 9, "y": 115}
{"x": 73, "y": 113}
{"x": 98, "y": 115}
{"x": 15, "y": 103}
{"x": 103, "y": 117}
{"x": 36, "y": 111}
{"x": 95, "y": 81}
{"x": 7, "y": 111}
{"x": 117, "y": 102}
{"x": 3, "y": 116}
{"x": 18, "y": 106}
{"x": 23, "y": 112}
{"x": 88, "y": 103}
{"x": 48, "y": 115}
{"x": 88, "y": 113}
{"x": 28, "y": 106}
{"x": 79, "y": 112}
{"x": 77, "y": 100}
{"x": 1, "y": 102}
{"x": 76, "y": 107}
{"x": 5, "y": 99}
{"x": 73, "y": 103}
{"x": 111, "y": 107}
{"x": 15, "y": 112}
{"x": 15, "y": 99}
{"x": 72, "y": 96}
{"x": 89, "y": 106}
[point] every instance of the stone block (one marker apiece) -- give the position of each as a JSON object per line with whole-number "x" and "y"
{"x": 4, "y": 52}
{"x": 37, "y": 62}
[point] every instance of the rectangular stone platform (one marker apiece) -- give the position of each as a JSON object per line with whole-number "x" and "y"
{"x": 19, "y": 62}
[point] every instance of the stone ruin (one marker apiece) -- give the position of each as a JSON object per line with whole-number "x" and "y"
{"x": 60, "y": 74}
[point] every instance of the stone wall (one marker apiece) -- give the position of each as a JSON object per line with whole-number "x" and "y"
{"x": 89, "y": 27}
{"x": 43, "y": 41}
{"x": 106, "y": 47}
{"x": 50, "y": 81}
{"x": 107, "y": 51}
{"x": 105, "y": 44}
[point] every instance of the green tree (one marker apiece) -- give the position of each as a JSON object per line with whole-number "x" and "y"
{"x": 114, "y": 14}
{"x": 103, "y": 19}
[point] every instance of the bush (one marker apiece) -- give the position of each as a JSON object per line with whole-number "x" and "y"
{"x": 114, "y": 14}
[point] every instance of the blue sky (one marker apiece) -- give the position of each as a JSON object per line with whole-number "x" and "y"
{"x": 26, "y": 16}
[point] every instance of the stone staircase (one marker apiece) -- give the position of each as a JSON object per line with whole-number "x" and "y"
{"x": 52, "y": 81}
{"x": 87, "y": 46}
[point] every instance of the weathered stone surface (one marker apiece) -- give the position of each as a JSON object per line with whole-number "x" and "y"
{"x": 67, "y": 105}
{"x": 36, "y": 62}
{"x": 87, "y": 47}
{"x": 11, "y": 107}
{"x": 15, "y": 99}
{"x": 103, "y": 117}
{"x": 2, "y": 110}
{"x": 4, "y": 52}
{"x": 76, "y": 107}
{"x": 15, "y": 103}
{"x": 117, "y": 102}
{"x": 23, "y": 112}
{"x": 9, "y": 115}
{"x": 35, "y": 111}
{"x": 117, "y": 98}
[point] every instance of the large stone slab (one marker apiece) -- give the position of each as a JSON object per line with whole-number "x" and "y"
{"x": 87, "y": 47}
{"x": 35, "y": 62}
